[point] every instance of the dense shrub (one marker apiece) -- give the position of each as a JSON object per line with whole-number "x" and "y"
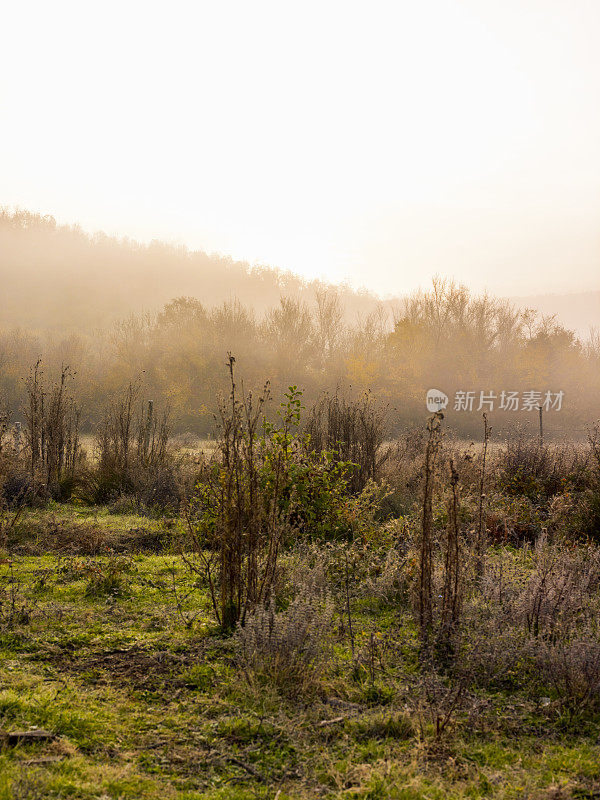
{"x": 261, "y": 488}
{"x": 528, "y": 468}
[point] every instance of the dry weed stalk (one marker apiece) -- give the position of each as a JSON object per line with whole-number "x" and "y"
{"x": 52, "y": 428}
{"x": 425, "y": 588}
{"x": 481, "y": 540}
{"x": 452, "y": 581}
{"x": 133, "y": 436}
{"x": 354, "y": 431}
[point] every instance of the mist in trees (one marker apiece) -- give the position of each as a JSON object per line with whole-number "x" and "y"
{"x": 445, "y": 338}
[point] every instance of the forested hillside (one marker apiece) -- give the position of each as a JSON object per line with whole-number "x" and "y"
{"x": 61, "y": 278}
{"x": 74, "y": 300}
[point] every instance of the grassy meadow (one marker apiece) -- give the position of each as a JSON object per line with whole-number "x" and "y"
{"x": 118, "y": 656}
{"x": 429, "y": 631}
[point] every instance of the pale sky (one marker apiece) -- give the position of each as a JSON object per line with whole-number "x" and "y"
{"x": 375, "y": 142}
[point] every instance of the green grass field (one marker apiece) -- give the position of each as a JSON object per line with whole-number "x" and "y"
{"x": 117, "y": 657}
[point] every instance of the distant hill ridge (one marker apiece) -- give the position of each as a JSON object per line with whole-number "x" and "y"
{"x": 59, "y": 277}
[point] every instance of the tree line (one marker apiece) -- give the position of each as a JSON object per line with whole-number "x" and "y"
{"x": 445, "y": 338}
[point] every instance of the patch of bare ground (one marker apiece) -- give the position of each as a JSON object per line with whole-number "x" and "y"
{"x": 137, "y": 666}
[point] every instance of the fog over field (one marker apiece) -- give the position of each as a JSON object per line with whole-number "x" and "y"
{"x": 116, "y": 311}
{"x": 77, "y": 280}
{"x": 300, "y": 400}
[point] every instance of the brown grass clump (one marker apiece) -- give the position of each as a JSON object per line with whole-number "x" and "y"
{"x": 289, "y": 648}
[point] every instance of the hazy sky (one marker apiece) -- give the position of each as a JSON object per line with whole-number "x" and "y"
{"x": 376, "y": 142}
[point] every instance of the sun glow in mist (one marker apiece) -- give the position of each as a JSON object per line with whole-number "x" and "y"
{"x": 375, "y": 142}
